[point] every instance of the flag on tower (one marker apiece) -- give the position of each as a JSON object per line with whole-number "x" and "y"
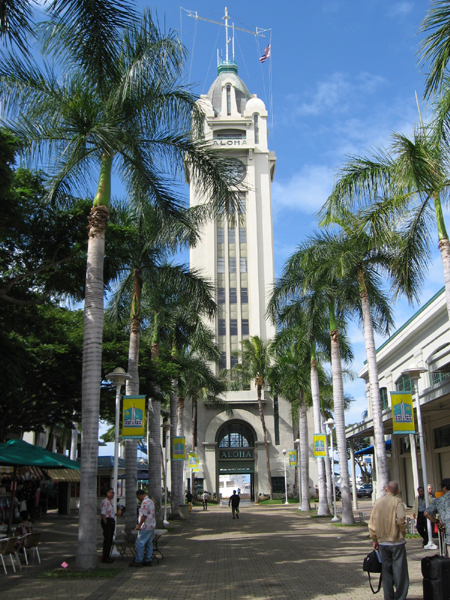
{"x": 266, "y": 54}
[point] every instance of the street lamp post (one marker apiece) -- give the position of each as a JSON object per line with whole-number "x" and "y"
{"x": 299, "y": 476}
{"x": 118, "y": 377}
{"x": 166, "y": 429}
{"x": 414, "y": 372}
{"x": 285, "y": 477}
{"x": 330, "y": 424}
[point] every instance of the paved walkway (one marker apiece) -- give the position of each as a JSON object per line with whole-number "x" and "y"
{"x": 273, "y": 552}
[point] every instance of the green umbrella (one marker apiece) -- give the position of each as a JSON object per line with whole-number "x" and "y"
{"x": 16, "y": 453}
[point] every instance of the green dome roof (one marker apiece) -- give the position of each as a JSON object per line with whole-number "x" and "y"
{"x": 228, "y": 70}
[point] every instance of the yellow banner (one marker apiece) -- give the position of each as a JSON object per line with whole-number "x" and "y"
{"x": 192, "y": 459}
{"x": 178, "y": 448}
{"x": 292, "y": 454}
{"x": 133, "y": 424}
{"x": 196, "y": 468}
{"x": 320, "y": 444}
{"x": 402, "y": 413}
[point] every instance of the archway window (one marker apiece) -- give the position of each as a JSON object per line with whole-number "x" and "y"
{"x": 404, "y": 384}
{"x": 256, "y": 128}
{"x": 236, "y": 435}
{"x": 228, "y": 100}
{"x": 384, "y": 398}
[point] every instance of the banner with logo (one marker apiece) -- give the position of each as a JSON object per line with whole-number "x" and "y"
{"x": 292, "y": 454}
{"x": 178, "y": 448}
{"x": 320, "y": 444}
{"x": 192, "y": 459}
{"x": 402, "y": 413}
{"x": 195, "y": 468}
{"x": 133, "y": 423}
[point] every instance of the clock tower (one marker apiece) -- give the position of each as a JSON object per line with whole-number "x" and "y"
{"x": 236, "y": 251}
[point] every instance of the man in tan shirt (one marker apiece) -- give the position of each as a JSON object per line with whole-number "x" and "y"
{"x": 387, "y": 528}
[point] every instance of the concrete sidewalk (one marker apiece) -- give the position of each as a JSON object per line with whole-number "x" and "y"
{"x": 270, "y": 552}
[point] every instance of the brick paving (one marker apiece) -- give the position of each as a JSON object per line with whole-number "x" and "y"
{"x": 271, "y": 552}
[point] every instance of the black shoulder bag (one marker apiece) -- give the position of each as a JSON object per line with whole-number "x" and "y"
{"x": 372, "y": 564}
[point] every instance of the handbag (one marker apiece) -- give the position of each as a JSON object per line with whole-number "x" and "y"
{"x": 372, "y": 564}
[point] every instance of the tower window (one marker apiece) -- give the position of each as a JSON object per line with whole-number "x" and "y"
{"x": 220, "y": 235}
{"x": 233, "y": 296}
{"x": 223, "y": 360}
{"x": 243, "y": 264}
{"x": 242, "y": 205}
{"x": 232, "y": 264}
{"x": 222, "y": 329}
{"x": 221, "y": 264}
{"x": 231, "y": 236}
{"x": 245, "y": 328}
{"x": 228, "y": 100}
{"x": 256, "y": 128}
{"x": 242, "y": 235}
{"x": 244, "y": 295}
{"x": 221, "y": 296}
{"x": 233, "y": 326}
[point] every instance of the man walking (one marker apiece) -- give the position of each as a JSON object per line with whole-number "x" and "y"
{"x": 145, "y": 527}
{"x": 387, "y": 528}
{"x": 205, "y": 500}
{"x": 418, "y": 514}
{"x": 189, "y": 498}
{"x": 441, "y": 506}
{"x": 234, "y": 502}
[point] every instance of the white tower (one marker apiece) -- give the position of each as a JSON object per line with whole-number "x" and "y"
{"x": 237, "y": 253}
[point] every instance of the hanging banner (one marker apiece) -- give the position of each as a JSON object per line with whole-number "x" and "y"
{"x": 178, "y": 448}
{"x": 195, "y": 468}
{"x": 192, "y": 459}
{"x": 320, "y": 444}
{"x": 133, "y": 424}
{"x": 292, "y": 454}
{"x": 402, "y": 413}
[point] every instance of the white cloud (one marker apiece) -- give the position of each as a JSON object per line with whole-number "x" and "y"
{"x": 305, "y": 191}
{"x": 336, "y": 94}
{"x": 400, "y": 9}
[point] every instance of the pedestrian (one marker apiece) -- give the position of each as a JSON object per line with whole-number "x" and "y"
{"x": 418, "y": 514}
{"x": 145, "y": 528}
{"x": 205, "y": 500}
{"x": 234, "y": 503}
{"x": 387, "y": 528}
{"x": 189, "y": 498}
{"x": 440, "y": 507}
{"x": 108, "y": 516}
{"x": 431, "y": 491}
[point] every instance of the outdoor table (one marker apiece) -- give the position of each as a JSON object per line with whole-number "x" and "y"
{"x": 157, "y": 533}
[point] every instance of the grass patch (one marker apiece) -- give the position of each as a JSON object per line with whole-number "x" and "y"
{"x": 413, "y": 536}
{"x": 278, "y": 501}
{"x": 60, "y": 573}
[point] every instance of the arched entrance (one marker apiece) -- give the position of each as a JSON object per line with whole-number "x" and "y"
{"x": 236, "y": 459}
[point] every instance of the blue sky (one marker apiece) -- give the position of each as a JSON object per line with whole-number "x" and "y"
{"x": 341, "y": 78}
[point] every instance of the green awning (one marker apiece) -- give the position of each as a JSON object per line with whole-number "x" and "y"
{"x": 16, "y": 453}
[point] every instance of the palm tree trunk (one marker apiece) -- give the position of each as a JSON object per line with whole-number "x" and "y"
{"x": 91, "y": 377}
{"x": 194, "y": 435}
{"x": 338, "y": 400}
{"x": 154, "y": 459}
{"x": 377, "y": 411}
{"x": 304, "y": 452}
{"x": 174, "y": 464}
{"x": 266, "y": 446}
{"x": 323, "y": 504}
{"x": 444, "y": 248}
{"x": 180, "y": 433}
{"x": 328, "y": 467}
{"x": 132, "y": 387}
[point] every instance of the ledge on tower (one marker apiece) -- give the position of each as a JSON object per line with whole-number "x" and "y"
{"x": 227, "y": 66}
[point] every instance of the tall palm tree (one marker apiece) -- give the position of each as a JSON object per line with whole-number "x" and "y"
{"x": 362, "y": 260}
{"x": 117, "y": 108}
{"x": 254, "y": 366}
{"x": 290, "y": 372}
{"x": 435, "y": 48}
{"x": 300, "y": 282}
{"x": 404, "y": 188}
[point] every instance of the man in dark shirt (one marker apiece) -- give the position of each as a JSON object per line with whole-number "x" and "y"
{"x": 234, "y": 503}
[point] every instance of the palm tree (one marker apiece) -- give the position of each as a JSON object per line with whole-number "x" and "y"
{"x": 290, "y": 376}
{"x": 117, "y": 108}
{"x": 435, "y": 48}
{"x": 362, "y": 260}
{"x": 255, "y": 366}
{"x": 300, "y": 282}
{"x": 403, "y": 188}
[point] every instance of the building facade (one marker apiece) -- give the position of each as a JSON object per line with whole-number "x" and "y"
{"x": 423, "y": 340}
{"x": 236, "y": 253}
